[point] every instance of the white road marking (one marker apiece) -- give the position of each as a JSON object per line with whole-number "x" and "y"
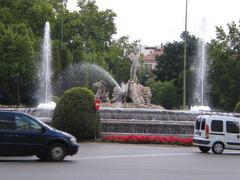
{"x": 132, "y": 156}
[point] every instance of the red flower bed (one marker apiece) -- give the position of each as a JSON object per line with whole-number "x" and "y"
{"x": 138, "y": 139}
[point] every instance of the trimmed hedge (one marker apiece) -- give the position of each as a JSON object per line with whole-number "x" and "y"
{"x": 75, "y": 113}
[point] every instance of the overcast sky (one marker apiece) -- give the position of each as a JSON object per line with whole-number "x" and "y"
{"x": 159, "y": 21}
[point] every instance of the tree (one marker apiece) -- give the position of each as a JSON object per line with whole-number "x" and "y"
{"x": 170, "y": 64}
{"x": 22, "y": 23}
{"x": 17, "y": 63}
{"x": 87, "y": 37}
{"x": 224, "y": 67}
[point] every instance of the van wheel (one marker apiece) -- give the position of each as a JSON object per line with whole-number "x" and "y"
{"x": 204, "y": 149}
{"x": 56, "y": 152}
{"x": 217, "y": 148}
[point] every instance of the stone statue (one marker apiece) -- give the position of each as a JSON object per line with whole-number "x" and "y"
{"x": 134, "y": 93}
{"x": 146, "y": 94}
{"x": 134, "y": 57}
{"x": 102, "y": 92}
{"x": 118, "y": 96}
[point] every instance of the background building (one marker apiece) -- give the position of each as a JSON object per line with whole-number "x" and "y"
{"x": 149, "y": 57}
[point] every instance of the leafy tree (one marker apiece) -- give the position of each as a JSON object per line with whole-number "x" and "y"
{"x": 224, "y": 67}
{"x": 170, "y": 64}
{"x": 17, "y": 63}
{"x": 87, "y": 37}
{"x": 34, "y": 13}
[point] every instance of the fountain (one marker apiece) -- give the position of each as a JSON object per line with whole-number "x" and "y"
{"x": 134, "y": 93}
{"x": 83, "y": 74}
{"x": 45, "y": 72}
{"x": 200, "y": 99}
{"x": 135, "y": 114}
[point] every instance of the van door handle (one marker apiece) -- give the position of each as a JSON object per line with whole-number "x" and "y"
{"x": 238, "y": 136}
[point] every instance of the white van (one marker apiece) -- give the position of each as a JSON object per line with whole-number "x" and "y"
{"x": 216, "y": 133}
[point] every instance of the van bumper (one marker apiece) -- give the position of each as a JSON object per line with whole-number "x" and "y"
{"x": 72, "y": 149}
{"x": 200, "y": 141}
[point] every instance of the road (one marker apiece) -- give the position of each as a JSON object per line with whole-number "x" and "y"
{"x": 103, "y": 161}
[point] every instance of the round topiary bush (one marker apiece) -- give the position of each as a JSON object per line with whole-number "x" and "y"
{"x": 75, "y": 113}
{"x": 237, "y": 108}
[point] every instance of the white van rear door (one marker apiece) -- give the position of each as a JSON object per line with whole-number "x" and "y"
{"x": 200, "y": 127}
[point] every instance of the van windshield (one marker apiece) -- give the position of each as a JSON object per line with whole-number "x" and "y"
{"x": 198, "y": 122}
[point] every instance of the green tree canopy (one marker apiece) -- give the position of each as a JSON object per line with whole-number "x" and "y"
{"x": 87, "y": 37}
{"x": 224, "y": 68}
{"x": 170, "y": 65}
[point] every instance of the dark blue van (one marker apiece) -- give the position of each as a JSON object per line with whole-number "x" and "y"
{"x": 21, "y": 135}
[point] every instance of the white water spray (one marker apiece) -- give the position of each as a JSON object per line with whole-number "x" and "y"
{"x": 200, "y": 99}
{"x": 45, "y": 70}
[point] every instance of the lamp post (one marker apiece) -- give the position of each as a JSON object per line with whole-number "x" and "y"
{"x": 18, "y": 89}
{"x": 185, "y": 59}
{"x": 63, "y": 5}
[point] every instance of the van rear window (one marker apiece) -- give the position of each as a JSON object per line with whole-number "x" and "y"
{"x": 203, "y": 124}
{"x": 197, "y": 125}
{"x": 217, "y": 126}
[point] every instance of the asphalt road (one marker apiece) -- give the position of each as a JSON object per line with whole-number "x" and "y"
{"x": 102, "y": 161}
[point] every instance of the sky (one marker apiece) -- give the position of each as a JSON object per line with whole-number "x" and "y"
{"x": 159, "y": 21}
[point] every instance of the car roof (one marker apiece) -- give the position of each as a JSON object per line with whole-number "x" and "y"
{"x": 218, "y": 117}
{"x": 10, "y": 111}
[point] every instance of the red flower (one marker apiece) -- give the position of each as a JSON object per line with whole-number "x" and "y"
{"x": 148, "y": 139}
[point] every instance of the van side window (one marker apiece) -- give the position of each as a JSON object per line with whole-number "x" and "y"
{"x": 25, "y": 123}
{"x": 203, "y": 124}
{"x": 233, "y": 127}
{"x": 7, "y": 121}
{"x": 217, "y": 126}
{"x": 197, "y": 125}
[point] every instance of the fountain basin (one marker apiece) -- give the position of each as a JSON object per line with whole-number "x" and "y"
{"x": 138, "y": 120}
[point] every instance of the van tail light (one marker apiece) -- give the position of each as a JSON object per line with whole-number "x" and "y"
{"x": 207, "y": 131}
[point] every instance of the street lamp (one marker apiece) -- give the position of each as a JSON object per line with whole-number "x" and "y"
{"x": 64, "y": 2}
{"x": 185, "y": 59}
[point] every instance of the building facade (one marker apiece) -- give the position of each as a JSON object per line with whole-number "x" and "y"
{"x": 149, "y": 57}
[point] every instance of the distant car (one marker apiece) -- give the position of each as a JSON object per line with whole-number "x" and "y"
{"x": 217, "y": 133}
{"x": 22, "y": 135}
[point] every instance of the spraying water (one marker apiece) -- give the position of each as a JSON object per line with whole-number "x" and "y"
{"x": 200, "y": 99}
{"x": 106, "y": 74}
{"x": 83, "y": 75}
{"x": 45, "y": 70}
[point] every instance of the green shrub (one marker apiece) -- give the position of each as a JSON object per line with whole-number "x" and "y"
{"x": 75, "y": 113}
{"x": 237, "y": 108}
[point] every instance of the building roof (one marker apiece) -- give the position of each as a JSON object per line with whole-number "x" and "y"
{"x": 151, "y": 57}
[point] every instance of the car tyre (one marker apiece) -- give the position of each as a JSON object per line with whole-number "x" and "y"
{"x": 56, "y": 152}
{"x": 204, "y": 149}
{"x": 218, "y": 148}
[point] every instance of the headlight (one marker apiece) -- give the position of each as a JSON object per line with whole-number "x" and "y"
{"x": 73, "y": 140}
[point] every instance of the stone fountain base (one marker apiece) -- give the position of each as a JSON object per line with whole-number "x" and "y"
{"x": 137, "y": 120}
{"x": 130, "y": 105}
